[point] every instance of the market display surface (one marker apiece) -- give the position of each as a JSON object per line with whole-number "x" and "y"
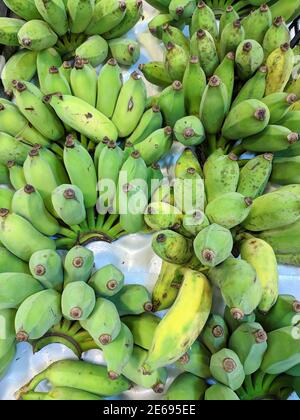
{"x": 150, "y": 179}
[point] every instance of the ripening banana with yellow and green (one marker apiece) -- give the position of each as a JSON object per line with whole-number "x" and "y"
{"x": 83, "y": 154}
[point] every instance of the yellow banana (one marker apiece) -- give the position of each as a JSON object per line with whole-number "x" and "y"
{"x": 261, "y": 256}
{"x": 280, "y": 65}
{"x": 182, "y": 325}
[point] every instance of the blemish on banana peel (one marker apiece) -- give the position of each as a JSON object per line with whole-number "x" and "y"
{"x": 130, "y": 104}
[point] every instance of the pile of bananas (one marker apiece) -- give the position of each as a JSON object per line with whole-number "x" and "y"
{"x": 73, "y": 27}
{"x": 183, "y": 9}
{"x": 78, "y": 149}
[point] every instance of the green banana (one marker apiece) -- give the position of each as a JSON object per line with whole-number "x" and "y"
{"x": 196, "y": 361}
{"x": 78, "y": 301}
{"x": 166, "y": 287}
{"x": 291, "y": 121}
{"x": 283, "y": 210}
{"x": 254, "y": 186}
{"x": 110, "y": 75}
{"x": 7, "y": 336}
{"x": 80, "y": 375}
{"x": 126, "y": 51}
{"x": 80, "y": 14}
{"x": 68, "y": 203}
{"x": 150, "y": 122}
{"x": 283, "y": 351}
{"x": 248, "y": 118}
{"x": 155, "y": 73}
{"x": 9, "y": 30}
{"x": 104, "y": 323}
{"x": 174, "y": 35}
{"x": 226, "y": 72}
{"x": 133, "y": 13}
{"x": 37, "y": 314}
{"x": 186, "y": 387}
{"x": 287, "y": 10}
{"x": 257, "y": 23}
{"x": 118, "y": 353}
{"x": 172, "y": 247}
{"x": 16, "y": 175}
{"x": 163, "y": 194}
{"x": 194, "y": 74}
{"x": 215, "y": 334}
{"x": 156, "y": 146}
{"x": 229, "y": 210}
{"x": 221, "y": 174}
{"x": 54, "y": 81}
{"x": 184, "y": 322}
{"x": 249, "y": 342}
{"x": 98, "y": 151}
{"x": 161, "y": 5}
{"x": 75, "y": 156}
{"x": 175, "y": 61}
{"x": 28, "y": 203}
{"x": 12, "y": 149}
{"x": 203, "y": 46}
{"x": 227, "y": 369}
{"x": 55, "y": 14}
{"x": 130, "y": 105}
{"x": 187, "y": 163}
{"x": 182, "y": 9}
{"x": 6, "y": 197}
{"x": 26, "y": 10}
{"x": 204, "y": 18}
{"x": 280, "y": 65}
{"x": 279, "y": 105}
{"x": 82, "y": 117}
{"x": 84, "y": 82}
{"x": 172, "y": 103}
{"x": 133, "y": 299}
{"x": 157, "y": 24}
{"x": 215, "y": 100}
{"x": 283, "y": 240}
{"x": 278, "y": 34}
{"x": 195, "y": 222}
{"x": 13, "y": 225}
{"x": 133, "y": 371}
{"x": 36, "y": 35}
{"x": 21, "y": 66}
{"x": 7, "y": 359}
{"x": 249, "y": 58}
{"x": 239, "y": 285}
{"x": 232, "y": 36}
{"x": 46, "y": 59}
{"x": 61, "y": 394}
{"x": 15, "y": 288}
{"x": 4, "y": 174}
{"x": 261, "y": 256}
{"x": 228, "y": 16}
{"x": 107, "y": 15}
{"x": 159, "y": 216}
{"x": 285, "y": 313}
{"x": 254, "y": 88}
{"x": 9, "y": 263}
{"x": 219, "y": 392}
{"x": 94, "y": 50}
{"x": 46, "y": 267}
{"x": 142, "y": 327}
{"x": 189, "y": 193}
{"x": 285, "y": 171}
{"x": 30, "y": 102}
{"x": 108, "y": 281}
{"x": 276, "y": 137}
{"x": 213, "y": 245}
{"x": 78, "y": 265}
{"x": 233, "y": 324}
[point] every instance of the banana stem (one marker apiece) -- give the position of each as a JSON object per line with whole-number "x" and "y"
{"x": 116, "y": 230}
{"x": 74, "y": 329}
{"x": 91, "y": 218}
{"x": 64, "y": 243}
{"x": 68, "y": 233}
{"x": 91, "y": 146}
{"x": 84, "y": 141}
{"x": 76, "y": 229}
{"x": 212, "y": 143}
{"x": 243, "y": 162}
{"x": 34, "y": 396}
{"x": 238, "y": 150}
{"x": 31, "y": 385}
{"x": 258, "y": 381}
{"x": 84, "y": 227}
{"x": 100, "y": 221}
{"x": 249, "y": 385}
{"x": 88, "y": 345}
{"x": 110, "y": 221}
{"x": 242, "y": 394}
{"x": 57, "y": 149}
{"x": 268, "y": 381}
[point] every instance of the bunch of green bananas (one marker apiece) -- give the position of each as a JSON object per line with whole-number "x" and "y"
{"x": 255, "y": 358}
{"x": 183, "y": 9}
{"x": 73, "y": 27}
